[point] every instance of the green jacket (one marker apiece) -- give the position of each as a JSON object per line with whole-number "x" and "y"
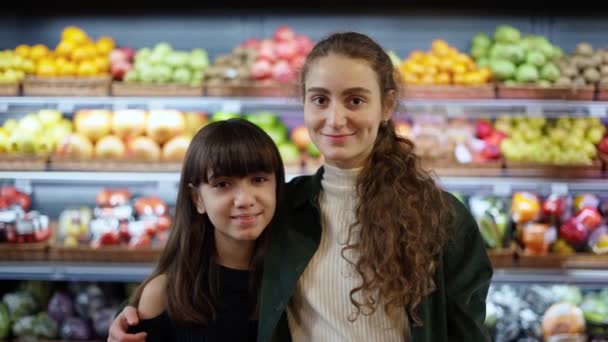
{"x": 454, "y": 312}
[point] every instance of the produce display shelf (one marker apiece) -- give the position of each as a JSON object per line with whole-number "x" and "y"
{"x": 133, "y": 272}
{"x": 472, "y": 108}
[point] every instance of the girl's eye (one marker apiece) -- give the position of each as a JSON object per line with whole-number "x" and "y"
{"x": 356, "y": 101}
{"x": 221, "y": 185}
{"x": 319, "y": 100}
{"x": 260, "y": 179}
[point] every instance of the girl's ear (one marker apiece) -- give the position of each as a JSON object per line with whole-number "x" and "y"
{"x": 197, "y": 199}
{"x": 390, "y": 104}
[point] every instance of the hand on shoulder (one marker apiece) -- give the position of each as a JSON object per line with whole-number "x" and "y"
{"x": 152, "y": 301}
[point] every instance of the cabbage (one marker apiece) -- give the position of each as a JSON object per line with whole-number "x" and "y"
{"x": 60, "y": 306}
{"x": 507, "y": 34}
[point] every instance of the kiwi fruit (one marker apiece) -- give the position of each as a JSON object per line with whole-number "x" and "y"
{"x": 569, "y": 71}
{"x": 604, "y": 70}
{"x": 584, "y": 49}
{"x": 592, "y": 75}
{"x": 563, "y": 81}
{"x": 579, "y": 81}
{"x": 596, "y": 59}
{"x": 604, "y": 82}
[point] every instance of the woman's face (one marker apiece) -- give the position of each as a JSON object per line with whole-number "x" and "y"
{"x": 343, "y": 109}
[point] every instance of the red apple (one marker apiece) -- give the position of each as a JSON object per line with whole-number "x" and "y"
{"x": 282, "y": 72}
{"x": 117, "y": 56}
{"x": 267, "y": 52}
{"x": 589, "y": 217}
{"x": 8, "y": 192}
{"x": 297, "y": 63}
{"x": 4, "y": 203}
{"x": 574, "y": 232}
{"x": 23, "y": 200}
{"x": 284, "y": 33}
{"x": 129, "y": 53}
{"x": 304, "y": 45}
{"x": 261, "y": 69}
{"x": 286, "y": 50}
{"x": 119, "y": 69}
{"x": 495, "y": 138}
{"x": 163, "y": 223}
{"x": 603, "y": 145}
{"x": 483, "y": 129}
{"x": 491, "y": 152}
{"x": 554, "y": 206}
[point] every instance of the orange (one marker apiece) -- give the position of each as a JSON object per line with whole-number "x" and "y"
{"x": 458, "y": 78}
{"x": 87, "y": 68}
{"x": 417, "y": 68}
{"x": 443, "y": 78}
{"x": 103, "y": 64}
{"x": 410, "y": 79}
{"x": 427, "y": 79}
{"x": 104, "y": 45}
{"x": 416, "y": 55}
{"x": 29, "y": 66}
{"x": 67, "y": 69}
{"x": 431, "y": 60}
{"x": 431, "y": 70}
{"x": 46, "y": 69}
{"x": 459, "y": 68}
{"x": 80, "y": 53}
{"x": 74, "y": 34}
{"x": 38, "y": 51}
{"x": 446, "y": 64}
{"x": 440, "y": 47}
{"x": 65, "y": 48}
{"x": 23, "y": 50}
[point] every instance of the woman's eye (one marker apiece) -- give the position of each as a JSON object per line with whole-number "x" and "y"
{"x": 357, "y": 101}
{"x": 319, "y": 100}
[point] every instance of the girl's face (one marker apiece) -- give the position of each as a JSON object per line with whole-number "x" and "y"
{"x": 343, "y": 109}
{"x": 240, "y": 208}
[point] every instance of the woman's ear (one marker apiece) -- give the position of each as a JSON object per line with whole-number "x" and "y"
{"x": 197, "y": 199}
{"x": 390, "y": 104}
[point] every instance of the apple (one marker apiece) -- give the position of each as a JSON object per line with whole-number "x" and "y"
{"x": 266, "y": 51}
{"x": 195, "y": 121}
{"x": 483, "y": 129}
{"x": 176, "y": 148}
{"x": 297, "y": 62}
{"x": 163, "y": 223}
{"x": 128, "y": 52}
{"x": 260, "y": 69}
{"x": 603, "y": 145}
{"x": 75, "y": 146}
{"x": 129, "y": 123}
{"x": 574, "y": 232}
{"x": 300, "y": 137}
{"x": 283, "y": 72}
{"x": 589, "y": 217}
{"x": 305, "y": 45}
{"x": 144, "y": 148}
{"x": 119, "y": 69}
{"x": 289, "y": 153}
{"x": 49, "y": 117}
{"x": 585, "y": 200}
{"x": 93, "y": 123}
{"x": 110, "y": 147}
{"x": 163, "y": 125}
{"x": 263, "y": 120}
{"x": 221, "y": 116}
{"x": 116, "y": 56}
{"x": 8, "y": 192}
{"x": 491, "y": 152}
{"x": 495, "y": 138}
{"x": 278, "y": 134}
{"x": 286, "y": 50}
{"x": 554, "y": 206}
{"x": 283, "y": 34}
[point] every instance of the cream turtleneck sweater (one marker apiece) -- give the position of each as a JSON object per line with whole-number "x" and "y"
{"x": 321, "y": 306}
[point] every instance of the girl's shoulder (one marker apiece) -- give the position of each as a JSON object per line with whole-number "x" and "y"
{"x": 152, "y": 301}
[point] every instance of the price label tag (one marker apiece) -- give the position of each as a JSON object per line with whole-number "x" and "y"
{"x": 502, "y": 189}
{"x": 534, "y": 111}
{"x": 559, "y": 188}
{"x": 231, "y": 106}
{"x": 597, "y": 111}
{"x": 454, "y": 111}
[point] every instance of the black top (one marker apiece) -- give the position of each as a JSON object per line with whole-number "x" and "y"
{"x": 233, "y": 321}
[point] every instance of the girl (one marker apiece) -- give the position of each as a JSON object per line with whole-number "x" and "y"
{"x": 369, "y": 248}
{"x": 206, "y": 284}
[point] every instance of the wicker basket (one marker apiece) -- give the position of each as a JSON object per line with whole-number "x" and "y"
{"x": 63, "y": 164}
{"x": 450, "y": 167}
{"x": 9, "y": 89}
{"x": 485, "y": 91}
{"x": 502, "y": 258}
{"x": 22, "y": 162}
{"x": 135, "y": 89}
{"x": 586, "y": 93}
{"x": 35, "y": 251}
{"x": 103, "y": 254}
{"x": 67, "y": 86}
{"x": 602, "y": 93}
{"x": 252, "y": 89}
{"x": 525, "y": 169}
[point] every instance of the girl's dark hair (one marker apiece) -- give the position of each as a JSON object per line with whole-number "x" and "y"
{"x": 231, "y": 148}
{"x": 401, "y": 212}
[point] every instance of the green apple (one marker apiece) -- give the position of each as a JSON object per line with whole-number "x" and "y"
{"x": 10, "y": 125}
{"x": 313, "y": 151}
{"x": 44, "y": 145}
{"x": 595, "y": 134}
{"x": 49, "y": 117}
{"x": 557, "y": 135}
{"x": 580, "y": 124}
{"x": 588, "y": 148}
{"x": 221, "y": 116}
{"x": 162, "y": 49}
{"x": 198, "y": 61}
{"x": 182, "y": 75}
{"x": 278, "y": 134}
{"x": 289, "y": 153}
{"x": 30, "y": 124}
{"x": 265, "y": 120}
{"x": 22, "y": 142}
{"x": 142, "y": 55}
{"x": 163, "y": 73}
{"x": 3, "y": 142}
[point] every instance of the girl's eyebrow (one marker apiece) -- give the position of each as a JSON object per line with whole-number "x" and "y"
{"x": 345, "y": 92}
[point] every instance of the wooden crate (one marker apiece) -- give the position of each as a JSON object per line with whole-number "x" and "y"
{"x": 63, "y": 164}
{"x": 602, "y": 93}
{"x": 9, "y": 89}
{"x": 526, "y": 169}
{"x": 67, "y": 86}
{"x": 136, "y": 89}
{"x": 502, "y": 258}
{"x": 253, "y": 89}
{"x": 451, "y": 168}
{"x": 485, "y": 91}
{"x": 586, "y": 93}
{"x": 22, "y": 162}
{"x": 34, "y": 251}
{"x": 116, "y": 254}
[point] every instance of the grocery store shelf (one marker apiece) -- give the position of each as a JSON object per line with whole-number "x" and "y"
{"x": 455, "y": 107}
{"x": 134, "y": 272}
{"x": 74, "y": 271}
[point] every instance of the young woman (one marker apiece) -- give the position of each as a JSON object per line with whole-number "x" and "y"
{"x": 206, "y": 284}
{"x": 369, "y": 248}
